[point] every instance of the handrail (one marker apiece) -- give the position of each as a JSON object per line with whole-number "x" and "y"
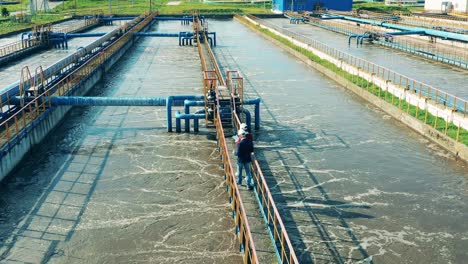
{"x": 21, "y": 118}
{"x": 77, "y": 26}
{"x": 18, "y": 45}
{"x": 241, "y": 221}
{"x": 441, "y": 54}
{"x": 32, "y": 42}
{"x": 280, "y": 236}
{"x": 439, "y": 96}
{"x": 245, "y": 237}
{"x": 273, "y": 219}
{"x": 213, "y": 59}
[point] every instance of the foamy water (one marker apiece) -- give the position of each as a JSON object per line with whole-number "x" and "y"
{"x": 111, "y": 185}
{"x": 352, "y": 184}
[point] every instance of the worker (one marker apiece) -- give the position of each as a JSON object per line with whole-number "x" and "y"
{"x": 243, "y": 152}
{"x": 244, "y": 127}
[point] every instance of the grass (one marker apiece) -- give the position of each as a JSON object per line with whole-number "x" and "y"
{"x": 17, "y": 7}
{"x": 424, "y": 116}
{"x": 130, "y": 7}
{"x": 6, "y": 27}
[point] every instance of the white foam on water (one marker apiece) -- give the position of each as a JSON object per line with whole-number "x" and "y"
{"x": 301, "y": 204}
{"x": 312, "y": 187}
{"x": 165, "y": 211}
{"x": 370, "y": 204}
{"x": 365, "y": 142}
{"x": 382, "y": 238}
{"x": 372, "y": 141}
{"x": 376, "y": 192}
{"x": 384, "y": 241}
{"x": 427, "y": 236}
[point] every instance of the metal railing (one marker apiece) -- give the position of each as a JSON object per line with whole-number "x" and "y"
{"x": 14, "y": 127}
{"x": 274, "y": 222}
{"x": 275, "y": 225}
{"x": 430, "y": 50}
{"x": 424, "y": 90}
{"x": 361, "y": 70}
{"x": 18, "y": 45}
{"x": 239, "y": 213}
{"x": 278, "y": 232}
{"x": 76, "y": 26}
{"x": 34, "y": 41}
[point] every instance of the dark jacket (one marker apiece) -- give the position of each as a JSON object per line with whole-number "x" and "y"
{"x": 244, "y": 150}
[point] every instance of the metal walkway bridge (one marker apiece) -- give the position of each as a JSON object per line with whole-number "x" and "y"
{"x": 261, "y": 233}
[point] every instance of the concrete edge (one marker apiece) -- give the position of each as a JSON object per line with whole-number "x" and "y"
{"x": 460, "y": 150}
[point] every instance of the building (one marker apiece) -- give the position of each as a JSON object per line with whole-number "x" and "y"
{"x": 446, "y": 6}
{"x": 310, "y": 5}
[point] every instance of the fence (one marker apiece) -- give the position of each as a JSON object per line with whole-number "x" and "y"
{"x": 18, "y": 45}
{"x": 399, "y": 88}
{"x": 13, "y": 128}
{"x": 276, "y": 228}
{"x": 431, "y": 50}
{"x": 240, "y": 216}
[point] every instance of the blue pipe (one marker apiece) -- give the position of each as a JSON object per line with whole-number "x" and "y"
{"x": 330, "y": 17}
{"x": 175, "y": 100}
{"x": 154, "y": 34}
{"x": 360, "y": 39}
{"x": 97, "y": 101}
{"x": 256, "y": 102}
{"x": 195, "y": 121}
{"x": 430, "y": 32}
{"x": 350, "y": 37}
{"x": 214, "y": 37}
{"x": 413, "y": 32}
{"x": 13, "y": 89}
{"x": 170, "y": 101}
{"x": 84, "y": 35}
{"x": 184, "y": 36}
{"x": 187, "y": 104}
{"x": 180, "y": 116}
{"x": 108, "y": 101}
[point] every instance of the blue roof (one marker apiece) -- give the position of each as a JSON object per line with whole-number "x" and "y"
{"x": 309, "y": 5}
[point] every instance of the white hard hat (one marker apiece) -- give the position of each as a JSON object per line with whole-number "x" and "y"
{"x": 241, "y": 132}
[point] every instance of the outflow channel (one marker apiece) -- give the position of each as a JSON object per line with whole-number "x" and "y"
{"x": 440, "y": 76}
{"x": 111, "y": 185}
{"x": 351, "y": 184}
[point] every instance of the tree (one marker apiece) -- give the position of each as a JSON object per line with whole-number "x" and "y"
{"x": 5, "y": 12}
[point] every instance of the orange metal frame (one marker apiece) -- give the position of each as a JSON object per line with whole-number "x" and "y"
{"x": 29, "y": 111}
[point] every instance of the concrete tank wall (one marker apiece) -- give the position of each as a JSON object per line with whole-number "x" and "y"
{"x": 52, "y": 117}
